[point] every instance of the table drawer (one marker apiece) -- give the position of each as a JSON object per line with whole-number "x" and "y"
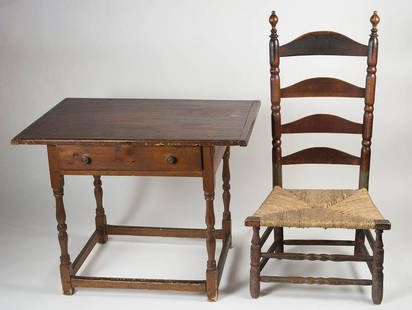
{"x": 127, "y": 157}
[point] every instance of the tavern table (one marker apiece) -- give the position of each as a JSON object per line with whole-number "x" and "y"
{"x": 143, "y": 137}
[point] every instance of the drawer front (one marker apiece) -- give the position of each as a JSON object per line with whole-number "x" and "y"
{"x": 126, "y": 157}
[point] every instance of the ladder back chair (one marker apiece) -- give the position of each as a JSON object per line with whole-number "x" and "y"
{"x": 350, "y": 209}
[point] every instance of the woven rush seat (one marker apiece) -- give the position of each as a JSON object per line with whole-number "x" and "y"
{"x": 318, "y": 208}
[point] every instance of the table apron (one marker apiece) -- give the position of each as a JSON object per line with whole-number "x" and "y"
{"x": 129, "y": 160}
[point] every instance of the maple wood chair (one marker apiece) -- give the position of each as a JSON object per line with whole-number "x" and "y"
{"x": 352, "y": 209}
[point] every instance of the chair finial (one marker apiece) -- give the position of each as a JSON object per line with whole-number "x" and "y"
{"x": 273, "y": 20}
{"x": 375, "y": 19}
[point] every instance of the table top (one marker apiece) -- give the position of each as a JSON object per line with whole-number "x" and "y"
{"x": 144, "y": 122}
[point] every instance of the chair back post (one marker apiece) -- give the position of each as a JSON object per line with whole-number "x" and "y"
{"x": 369, "y": 102}
{"x": 275, "y": 102}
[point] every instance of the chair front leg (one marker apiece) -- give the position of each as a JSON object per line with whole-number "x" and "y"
{"x": 377, "y": 268}
{"x": 255, "y": 264}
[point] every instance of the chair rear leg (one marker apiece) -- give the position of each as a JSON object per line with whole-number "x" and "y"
{"x": 254, "y": 264}
{"x": 377, "y": 269}
{"x": 278, "y": 232}
{"x": 359, "y": 241}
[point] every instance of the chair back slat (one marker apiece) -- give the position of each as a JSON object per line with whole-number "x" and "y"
{"x": 320, "y": 155}
{"x": 322, "y": 87}
{"x": 322, "y": 123}
{"x": 323, "y": 43}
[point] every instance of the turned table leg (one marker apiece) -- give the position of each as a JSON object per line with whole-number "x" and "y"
{"x": 57, "y": 183}
{"x": 209, "y": 192}
{"x": 226, "y": 221}
{"x": 100, "y": 219}
{"x": 254, "y": 264}
{"x": 377, "y": 269}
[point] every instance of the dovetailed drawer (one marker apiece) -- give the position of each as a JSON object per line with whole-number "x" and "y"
{"x": 127, "y": 157}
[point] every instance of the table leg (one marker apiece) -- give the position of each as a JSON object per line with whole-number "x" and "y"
{"x": 100, "y": 219}
{"x": 226, "y": 221}
{"x": 57, "y": 183}
{"x": 209, "y": 192}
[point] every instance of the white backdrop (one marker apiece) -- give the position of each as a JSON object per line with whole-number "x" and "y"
{"x": 205, "y": 49}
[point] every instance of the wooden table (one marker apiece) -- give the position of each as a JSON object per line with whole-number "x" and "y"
{"x": 144, "y": 137}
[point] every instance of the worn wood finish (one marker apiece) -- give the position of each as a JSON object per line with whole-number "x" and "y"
{"x": 209, "y": 192}
{"x": 322, "y": 87}
{"x": 255, "y": 264}
{"x": 320, "y": 155}
{"x": 323, "y": 43}
{"x": 57, "y": 183}
{"x": 322, "y": 123}
{"x": 377, "y": 269}
{"x": 128, "y": 157}
{"x": 383, "y": 224}
{"x": 144, "y": 122}
{"x": 321, "y": 257}
{"x": 311, "y": 280}
{"x": 161, "y": 231}
{"x": 133, "y": 283}
{"x": 100, "y": 219}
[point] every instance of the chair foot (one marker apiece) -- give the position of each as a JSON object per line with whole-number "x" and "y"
{"x": 254, "y": 285}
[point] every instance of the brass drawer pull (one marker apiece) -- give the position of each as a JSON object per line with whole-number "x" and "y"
{"x": 85, "y": 159}
{"x": 171, "y": 159}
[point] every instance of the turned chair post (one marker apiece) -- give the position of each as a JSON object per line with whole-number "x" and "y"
{"x": 276, "y": 119}
{"x": 369, "y": 103}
